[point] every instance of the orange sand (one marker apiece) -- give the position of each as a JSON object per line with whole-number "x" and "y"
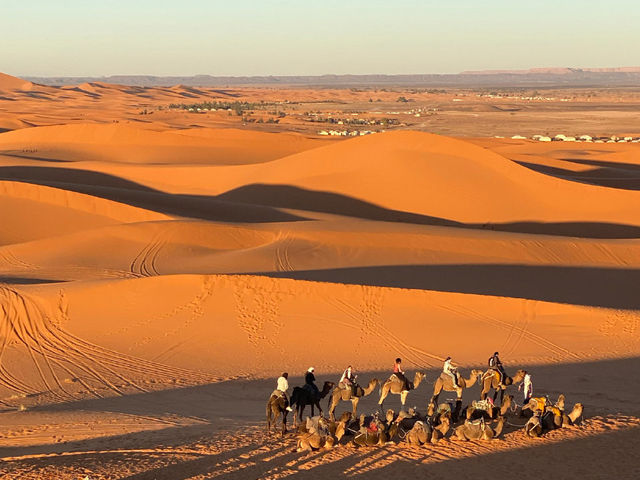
{"x": 156, "y": 281}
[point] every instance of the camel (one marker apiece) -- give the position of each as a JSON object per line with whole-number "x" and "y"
{"x": 314, "y": 440}
{"x": 473, "y": 413}
{"x": 276, "y": 406}
{"x": 423, "y": 432}
{"x": 445, "y": 382}
{"x": 345, "y": 394}
{"x": 396, "y": 386}
{"x": 301, "y": 397}
{"x": 542, "y": 422}
{"x": 375, "y": 433}
{"x": 479, "y": 430}
{"x": 491, "y": 379}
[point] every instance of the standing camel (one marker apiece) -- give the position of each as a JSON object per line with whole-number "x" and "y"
{"x": 301, "y": 397}
{"x": 395, "y": 385}
{"x": 491, "y": 379}
{"x": 445, "y": 382}
{"x": 276, "y": 406}
{"x": 345, "y": 394}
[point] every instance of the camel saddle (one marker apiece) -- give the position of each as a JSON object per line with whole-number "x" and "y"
{"x": 485, "y": 405}
{"x": 540, "y": 403}
{"x": 277, "y": 393}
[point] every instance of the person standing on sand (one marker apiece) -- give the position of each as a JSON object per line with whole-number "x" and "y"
{"x": 283, "y": 386}
{"x": 528, "y": 387}
{"x": 310, "y": 379}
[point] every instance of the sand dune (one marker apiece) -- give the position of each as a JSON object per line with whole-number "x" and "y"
{"x": 7, "y": 82}
{"x": 154, "y": 281}
{"x": 121, "y": 143}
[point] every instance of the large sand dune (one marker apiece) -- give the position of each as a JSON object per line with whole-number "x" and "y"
{"x": 155, "y": 282}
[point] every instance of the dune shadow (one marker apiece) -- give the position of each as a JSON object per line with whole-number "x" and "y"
{"x": 286, "y": 196}
{"x": 607, "y": 174}
{"x": 27, "y": 280}
{"x": 266, "y": 202}
{"x": 117, "y": 189}
{"x": 589, "y": 286}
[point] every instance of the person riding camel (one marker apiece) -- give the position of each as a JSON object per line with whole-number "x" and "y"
{"x": 496, "y": 364}
{"x": 283, "y": 386}
{"x": 450, "y": 370}
{"x": 348, "y": 380}
{"x": 399, "y": 373}
{"x": 310, "y": 379}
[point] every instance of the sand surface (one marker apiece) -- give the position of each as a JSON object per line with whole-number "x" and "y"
{"x": 156, "y": 280}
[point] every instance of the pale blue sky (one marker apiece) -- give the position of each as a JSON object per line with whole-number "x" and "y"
{"x": 305, "y": 37}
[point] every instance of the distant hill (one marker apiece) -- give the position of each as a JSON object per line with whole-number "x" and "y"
{"x": 538, "y": 77}
{"x": 7, "y": 82}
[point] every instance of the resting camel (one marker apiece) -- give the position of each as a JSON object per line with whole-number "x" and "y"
{"x": 345, "y": 394}
{"x": 491, "y": 379}
{"x": 551, "y": 419}
{"x": 473, "y": 412}
{"x": 317, "y": 439}
{"x": 276, "y": 406}
{"x": 445, "y": 382}
{"x": 373, "y": 433}
{"x": 478, "y": 430}
{"x": 423, "y": 432}
{"x": 301, "y": 397}
{"x": 395, "y": 385}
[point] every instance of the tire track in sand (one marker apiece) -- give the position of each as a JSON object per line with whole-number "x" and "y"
{"x": 29, "y": 326}
{"x": 145, "y": 262}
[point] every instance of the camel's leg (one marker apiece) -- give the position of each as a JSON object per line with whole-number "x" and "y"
{"x": 284, "y": 422}
{"x": 485, "y": 390}
{"x": 501, "y": 396}
{"x": 332, "y": 408}
{"x": 354, "y": 402}
{"x": 383, "y": 395}
{"x": 268, "y": 418}
{"x": 319, "y": 408}
{"x": 495, "y": 395}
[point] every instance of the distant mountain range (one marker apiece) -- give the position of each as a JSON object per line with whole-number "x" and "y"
{"x": 537, "y": 77}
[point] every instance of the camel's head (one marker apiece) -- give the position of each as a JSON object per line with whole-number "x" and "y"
{"x": 389, "y": 416}
{"x": 340, "y": 429}
{"x": 508, "y": 401}
{"x": 560, "y": 402}
{"x": 578, "y": 408}
{"x": 328, "y": 386}
{"x": 477, "y": 373}
{"x": 419, "y": 377}
{"x": 345, "y": 417}
{"x": 431, "y": 409}
{"x": 519, "y": 376}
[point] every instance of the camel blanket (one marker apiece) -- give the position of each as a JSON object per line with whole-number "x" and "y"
{"x": 277, "y": 393}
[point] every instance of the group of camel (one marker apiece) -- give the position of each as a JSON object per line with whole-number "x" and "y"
{"x": 482, "y": 420}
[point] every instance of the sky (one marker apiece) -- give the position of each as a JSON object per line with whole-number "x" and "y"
{"x": 309, "y": 37}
